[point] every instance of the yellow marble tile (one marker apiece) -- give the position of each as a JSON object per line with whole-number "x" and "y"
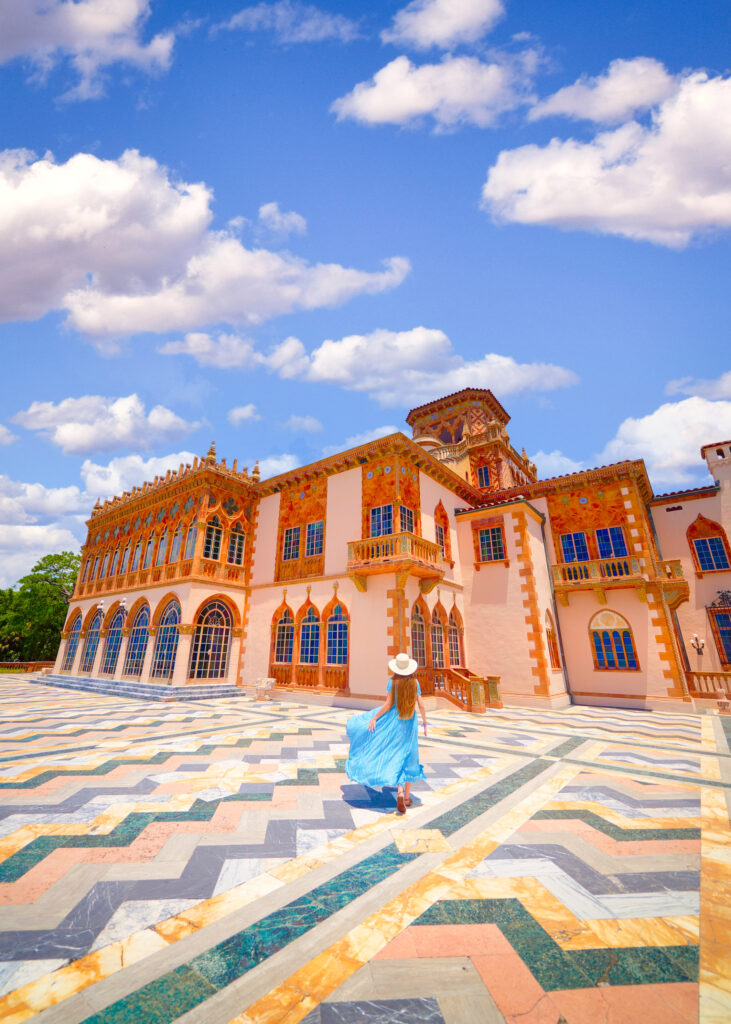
{"x": 420, "y": 840}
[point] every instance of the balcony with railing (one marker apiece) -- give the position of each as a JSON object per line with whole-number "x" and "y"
{"x": 396, "y": 552}
{"x": 623, "y": 571}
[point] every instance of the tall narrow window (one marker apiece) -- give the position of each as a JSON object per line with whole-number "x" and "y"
{"x": 190, "y": 540}
{"x": 136, "y": 556}
{"x": 612, "y": 642}
{"x": 382, "y": 521}
{"x": 440, "y": 539}
{"x": 96, "y": 568}
{"x": 611, "y": 542}
{"x": 291, "y": 544}
{"x": 105, "y": 565}
{"x": 284, "y": 640}
{"x": 113, "y": 570}
{"x": 711, "y": 553}
{"x": 407, "y": 519}
{"x": 721, "y": 626}
{"x": 113, "y": 644}
{"x": 72, "y": 643}
{"x": 454, "y": 636}
{"x": 483, "y": 476}
{"x": 310, "y": 638}
{"x": 437, "y": 641}
{"x": 175, "y": 546}
{"x": 125, "y": 561}
{"x": 87, "y": 566}
{"x": 162, "y": 548}
{"x": 166, "y": 642}
{"x": 150, "y": 547}
{"x": 418, "y": 637}
{"x": 236, "y": 545}
{"x": 574, "y": 547}
{"x": 337, "y": 638}
{"x": 91, "y": 643}
{"x": 492, "y": 548}
{"x": 313, "y": 539}
{"x": 212, "y": 543}
{"x": 211, "y": 642}
{"x": 137, "y": 643}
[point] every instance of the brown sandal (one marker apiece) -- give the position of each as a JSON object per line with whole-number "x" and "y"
{"x": 401, "y": 804}
{"x": 407, "y": 801}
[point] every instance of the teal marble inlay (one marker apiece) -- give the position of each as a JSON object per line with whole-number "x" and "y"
{"x": 616, "y": 831}
{"x": 451, "y": 821}
{"x": 186, "y": 987}
{"x": 566, "y": 747}
{"x": 555, "y": 968}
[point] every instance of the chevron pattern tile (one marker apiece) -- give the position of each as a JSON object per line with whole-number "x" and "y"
{"x": 210, "y": 861}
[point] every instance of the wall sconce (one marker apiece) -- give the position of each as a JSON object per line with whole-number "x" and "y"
{"x": 100, "y": 606}
{"x": 697, "y": 644}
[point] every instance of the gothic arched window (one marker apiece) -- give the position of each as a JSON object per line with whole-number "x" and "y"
{"x": 137, "y": 645}
{"x": 72, "y": 643}
{"x": 91, "y": 643}
{"x": 113, "y": 644}
{"x": 166, "y": 642}
{"x": 211, "y": 642}
{"x": 337, "y": 638}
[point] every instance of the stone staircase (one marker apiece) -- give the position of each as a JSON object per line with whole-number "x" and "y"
{"x": 141, "y": 691}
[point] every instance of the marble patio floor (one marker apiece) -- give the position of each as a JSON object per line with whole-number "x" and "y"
{"x": 209, "y": 861}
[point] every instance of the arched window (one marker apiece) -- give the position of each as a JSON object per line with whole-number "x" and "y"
{"x": 190, "y": 540}
{"x": 166, "y": 642}
{"x": 148, "y": 552}
{"x": 284, "y": 640}
{"x": 719, "y": 614}
{"x": 337, "y": 638}
{"x": 437, "y": 640}
{"x": 87, "y": 566}
{"x": 91, "y": 643}
{"x": 612, "y": 644}
{"x": 137, "y": 645}
{"x": 162, "y": 548}
{"x": 125, "y": 561}
{"x": 96, "y": 568}
{"x": 709, "y": 545}
{"x": 136, "y": 556}
{"x": 418, "y": 637}
{"x": 211, "y": 642}
{"x": 113, "y": 644}
{"x": 454, "y": 636}
{"x": 310, "y": 638}
{"x": 105, "y": 564}
{"x": 175, "y": 546}
{"x": 72, "y": 643}
{"x": 113, "y": 570}
{"x": 212, "y": 543}
{"x": 441, "y": 530}
{"x": 552, "y": 642}
{"x": 236, "y": 545}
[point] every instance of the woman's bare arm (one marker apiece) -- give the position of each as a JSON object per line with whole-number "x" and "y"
{"x": 422, "y": 711}
{"x": 386, "y": 706}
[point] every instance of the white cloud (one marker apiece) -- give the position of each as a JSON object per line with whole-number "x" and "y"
{"x": 666, "y": 183}
{"x": 444, "y": 23}
{"x": 93, "y": 423}
{"x": 276, "y": 464}
{"x": 355, "y": 440}
{"x": 670, "y": 438}
{"x": 6, "y": 436}
{"x": 303, "y": 424}
{"x": 627, "y": 86}
{"x": 128, "y": 471}
{"x": 554, "y": 463}
{"x": 242, "y": 414}
{"x": 282, "y": 222}
{"x": 92, "y": 34}
{"x": 409, "y": 367}
{"x": 719, "y": 388}
{"x": 293, "y": 22}
{"x": 30, "y": 503}
{"x": 225, "y": 352}
{"x": 22, "y": 546}
{"x": 123, "y": 249}
{"x": 459, "y": 90}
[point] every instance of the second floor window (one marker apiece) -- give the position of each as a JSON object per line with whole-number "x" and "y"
{"x": 175, "y": 547}
{"x": 407, "y": 519}
{"x": 148, "y": 552}
{"x": 313, "y": 539}
{"x": 611, "y": 542}
{"x": 574, "y": 547}
{"x": 236, "y": 545}
{"x": 381, "y": 520}
{"x": 440, "y": 540}
{"x": 125, "y": 561}
{"x": 711, "y": 553}
{"x": 483, "y": 476}
{"x": 212, "y": 543}
{"x": 291, "y": 544}
{"x": 492, "y": 548}
{"x": 162, "y": 549}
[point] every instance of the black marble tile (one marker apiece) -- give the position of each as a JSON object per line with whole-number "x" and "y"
{"x": 382, "y": 1011}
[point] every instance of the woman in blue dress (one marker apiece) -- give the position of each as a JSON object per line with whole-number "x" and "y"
{"x": 384, "y": 747}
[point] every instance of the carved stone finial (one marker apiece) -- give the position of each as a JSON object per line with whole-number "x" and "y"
{"x": 309, "y": 588}
{"x": 211, "y": 454}
{"x": 284, "y": 594}
{"x": 335, "y": 587}
{"x": 256, "y": 473}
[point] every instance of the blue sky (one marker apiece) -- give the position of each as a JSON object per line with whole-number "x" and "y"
{"x": 282, "y": 225}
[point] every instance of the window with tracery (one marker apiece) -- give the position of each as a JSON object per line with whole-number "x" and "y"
{"x": 212, "y": 543}
{"x": 612, "y": 643}
{"x": 105, "y": 563}
{"x": 72, "y": 643}
{"x": 113, "y": 644}
{"x": 284, "y": 640}
{"x": 454, "y": 636}
{"x": 175, "y": 546}
{"x": 148, "y": 552}
{"x": 166, "y": 642}
{"x": 309, "y": 639}
{"x": 337, "y": 638}
{"x": 125, "y": 561}
{"x": 91, "y": 643}
{"x": 236, "y": 545}
{"x": 96, "y": 567}
{"x": 709, "y": 545}
{"x": 136, "y": 556}
{"x": 314, "y": 539}
{"x": 418, "y": 637}
{"x": 113, "y": 570}
{"x": 211, "y": 642}
{"x": 137, "y": 643}
{"x": 437, "y": 641}
{"x": 190, "y": 540}
{"x": 162, "y": 548}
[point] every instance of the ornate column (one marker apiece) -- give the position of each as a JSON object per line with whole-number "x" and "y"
{"x": 147, "y": 663}
{"x": 74, "y": 670}
{"x": 182, "y": 656}
{"x": 97, "y": 663}
{"x": 122, "y": 654}
{"x": 61, "y": 652}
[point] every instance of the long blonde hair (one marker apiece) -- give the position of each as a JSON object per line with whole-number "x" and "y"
{"x": 405, "y": 695}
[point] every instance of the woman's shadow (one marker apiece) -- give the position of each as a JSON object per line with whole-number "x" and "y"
{"x": 361, "y": 797}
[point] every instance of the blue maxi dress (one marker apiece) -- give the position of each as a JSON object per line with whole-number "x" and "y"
{"x": 388, "y": 756}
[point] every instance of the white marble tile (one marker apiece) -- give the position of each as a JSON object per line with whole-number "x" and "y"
{"x": 234, "y": 872}
{"x": 135, "y": 915}
{"x": 15, "y": 973}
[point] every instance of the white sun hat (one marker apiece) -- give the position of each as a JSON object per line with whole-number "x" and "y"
{"x": 403, "y": 665}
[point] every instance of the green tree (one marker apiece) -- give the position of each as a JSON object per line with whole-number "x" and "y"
{"x": 40, "y": 601}
{"x": 11, "y": 642}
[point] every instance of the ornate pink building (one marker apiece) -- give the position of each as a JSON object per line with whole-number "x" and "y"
{"x": 585, "y": 587}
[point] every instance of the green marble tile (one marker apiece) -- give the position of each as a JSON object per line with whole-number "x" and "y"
{"x": 451, "y": 821}
{"x": 566, "y": 747}
{"x": 160, "y": 1001}
{"x": 616, "y": 831}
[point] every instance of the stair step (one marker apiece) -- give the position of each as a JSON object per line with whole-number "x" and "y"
{"x": 141, "y": 691}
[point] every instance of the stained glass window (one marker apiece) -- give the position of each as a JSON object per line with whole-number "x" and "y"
{"x": 337, "y": 638}
{"x": 113, "y": 644}
{"x": 137, "y": 644}
{"x": 314, "y": 538}
{"x": 614, "y": 649}
{"x": 611, "y": 542}
{"x": 212, "y": 543}
{"x": 211, "y": 642}
{"x": 574, "y": 547}
{"x": 721, "y": 625}
{"x": 711, "y": 553}
{"x": 236, "y": 545}
{"x": 91, "y": 643}
{"x": 72, "y": 643}
{"x": 483, "y": 476}
{"x": 166, "y": 642}
{"x": 492, "y": 548}
{"x": 418, "y": 638}
{"x": 284, "y": 641}
{"x": 382, "y": 521}
{"x": 407, "y": 519}
{"x": 310, "y": 639}
{"x": 291, "y": 544}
